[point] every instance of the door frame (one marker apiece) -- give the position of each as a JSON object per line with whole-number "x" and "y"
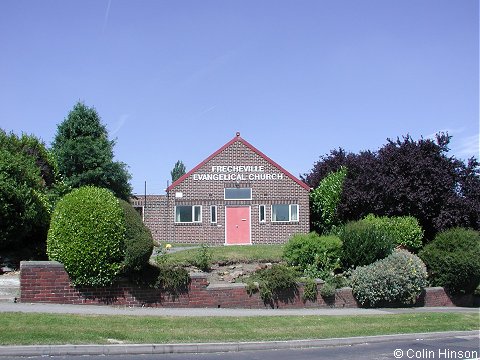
{"x": 249, "y": 223}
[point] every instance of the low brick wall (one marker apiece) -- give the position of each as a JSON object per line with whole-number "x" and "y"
{"x": 48, "y": 282}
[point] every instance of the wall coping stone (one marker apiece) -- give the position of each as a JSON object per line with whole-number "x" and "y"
{"x": 226, "y": 286}
{"x": 434, "y": 288}
{"x": 198, "y": 275}
{"x": 42, "y": 264}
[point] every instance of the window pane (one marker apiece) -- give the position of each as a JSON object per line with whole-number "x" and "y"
{"x": 293, "y": 212}
{"x": 238, "y": 193}
{"x": 213, "y": 214}
{"x": 262, "y": 213}
{"x": 198, "y": 214}
{"x": 280, "y": 213}
{"x": 183, "y": 213}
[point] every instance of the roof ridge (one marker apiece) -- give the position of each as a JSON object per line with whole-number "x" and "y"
{"x": 248, "y": 145}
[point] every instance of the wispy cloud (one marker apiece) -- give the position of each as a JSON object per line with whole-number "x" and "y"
{"x": 468, "y": 146}
{"x": 105, "y": 19}
{"x": 119, "y": 124}
{"x": 450, "y": 131}
{"x": 209, "y": 68}
{"x": 462, "y": 145}
{"x": 208, "y": 110}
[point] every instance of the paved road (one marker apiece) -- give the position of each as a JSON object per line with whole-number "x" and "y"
{"x": 456, "y": 345}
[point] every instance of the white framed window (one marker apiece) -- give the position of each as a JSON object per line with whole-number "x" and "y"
{"x": 188, "y": 214}
{"x": 261, "y": 213}
{"x": 213, "y": 214}
{"x": 238, "y": 194}
{"x": 293, "y": 212}
{"x": 285, "y": 213}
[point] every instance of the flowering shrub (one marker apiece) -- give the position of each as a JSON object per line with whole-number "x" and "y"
{"x": 327, "y": 290}
{"x": 399, "y": 278}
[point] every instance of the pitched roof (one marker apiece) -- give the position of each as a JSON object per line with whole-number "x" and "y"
{"x": 251, "y": 147}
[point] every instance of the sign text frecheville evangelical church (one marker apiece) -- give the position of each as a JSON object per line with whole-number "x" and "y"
{"x": 237, "y": 173}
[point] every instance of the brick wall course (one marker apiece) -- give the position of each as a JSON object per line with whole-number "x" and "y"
{"x": 58, "y": 289}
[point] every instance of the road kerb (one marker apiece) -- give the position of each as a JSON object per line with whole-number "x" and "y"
{"x": 137, "y": 349}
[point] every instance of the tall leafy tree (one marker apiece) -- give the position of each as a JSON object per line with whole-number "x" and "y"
{"x": 178, "y": 171}
{"x": 85, "y": 154}
{"x": 28, "y": 183}
{"x": 407, "y": 177}
{"x": 324, "y": 201}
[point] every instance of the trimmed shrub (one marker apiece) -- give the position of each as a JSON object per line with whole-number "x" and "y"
{"x": 398, "y": 279}
{"x": 313, "y": 253}
{"x": 404, "y": 231}
{"x": 364, "y": 243}
{"x": 453, "y": 260}
{"x": 86, "y": 234}
{"x": 138, "y": 239}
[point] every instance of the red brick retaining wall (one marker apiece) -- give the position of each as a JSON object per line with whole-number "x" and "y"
{"x": 48, "y": 282}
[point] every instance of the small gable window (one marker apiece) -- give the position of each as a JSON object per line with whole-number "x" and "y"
{"x": 238, "y": 194}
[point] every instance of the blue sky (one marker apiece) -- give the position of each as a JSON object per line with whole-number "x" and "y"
{"x": 174, "y": 80}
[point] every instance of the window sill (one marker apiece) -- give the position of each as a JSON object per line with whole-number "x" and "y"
{"x": 285, "y": 222}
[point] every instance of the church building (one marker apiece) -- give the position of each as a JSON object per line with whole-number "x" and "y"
{"x": 236, "y": 196}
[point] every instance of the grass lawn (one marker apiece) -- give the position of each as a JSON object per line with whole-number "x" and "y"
{"x": 231, "y": 254}
{"x": 30, "y": 329}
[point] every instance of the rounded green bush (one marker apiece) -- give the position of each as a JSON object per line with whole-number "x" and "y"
{"x": 138, "y": 239}
{"x": 364, "y": 243}
{"x": 453, "y": 260}
{"x": 87, "y": 235}
{"x": 404, "y": 231}
{"x": 398, "y": 279}
{"x": 303, "y": 250}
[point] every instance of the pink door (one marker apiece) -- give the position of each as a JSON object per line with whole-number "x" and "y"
{"x": 237, "y": 225}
